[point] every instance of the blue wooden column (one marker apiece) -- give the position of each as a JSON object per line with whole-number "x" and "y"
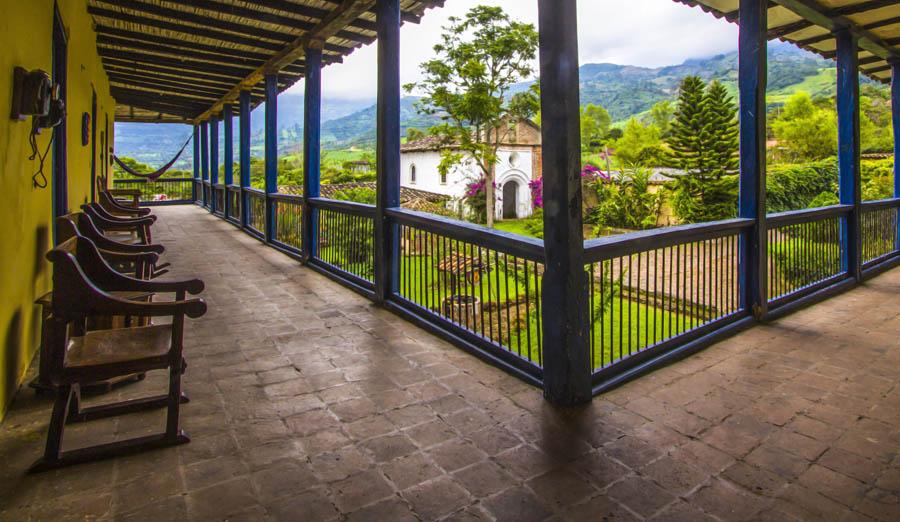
{"x": 213, "y": 164}
{"x": 204, "y": 158}
{"x": 849, "y": 148}
{"x": 228, "y": 158}
{"x": 895, "y": 118}
{"x": 271, "y": 151}
{"x": 312, "y": 119}
{"x": 196, "y": 163}
{"x": 387, "y": 149}
{"x": 567, "y": 360}
{"x": 752, "y": 79}
{"x": 244, "y": 152}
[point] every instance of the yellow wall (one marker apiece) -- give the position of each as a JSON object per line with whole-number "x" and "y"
{"x": 26, "y": 29}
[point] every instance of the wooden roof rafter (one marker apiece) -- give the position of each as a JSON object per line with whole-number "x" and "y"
{"x": 811, "y": 24}
{"x": 349, "y": 10}
{"x": 176, "y": 53}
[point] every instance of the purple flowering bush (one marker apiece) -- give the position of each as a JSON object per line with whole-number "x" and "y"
{"x": 537, "y": 192}
{"x": 475, "y": 198}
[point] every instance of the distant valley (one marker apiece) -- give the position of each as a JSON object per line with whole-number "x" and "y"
{"x": 624, "y": 90}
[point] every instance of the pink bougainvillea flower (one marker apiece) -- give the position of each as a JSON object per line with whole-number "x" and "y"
{"x": 537, "y": 192}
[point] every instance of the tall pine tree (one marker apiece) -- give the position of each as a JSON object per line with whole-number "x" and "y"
{"x": 704, "y": 145}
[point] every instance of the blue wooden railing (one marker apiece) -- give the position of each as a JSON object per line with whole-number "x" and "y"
{"x": 163, "y": 191}
{"x": 652, "y": 294}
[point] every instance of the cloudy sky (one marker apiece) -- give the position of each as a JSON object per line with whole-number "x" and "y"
{"x": 634, "y": 32}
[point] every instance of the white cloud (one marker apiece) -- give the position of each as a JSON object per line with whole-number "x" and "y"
{"x": 635, "y": 32}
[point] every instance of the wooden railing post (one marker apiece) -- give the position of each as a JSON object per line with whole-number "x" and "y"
{"x": 849, "y": 148}
{"x": 204, "y": 158}
{"x": 567, "y": 361}
{"x": 213, "y": 164}
{"x": 228, "y": 160}
{"x": 312, "y": 112}
{"x": 196, "y": 163}
{"x": 895, "y": 118}
{"x": 244, "y": 152}
{"x": 271, "y": 131}
{"x": 752, "y": 79}
{"x": 387, "y": 151}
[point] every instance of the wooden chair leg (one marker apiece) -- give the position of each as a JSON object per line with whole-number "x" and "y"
{"x": 74, "y": 404}
{"x": 53, "y": 448}
{"x": 173, "y": 432}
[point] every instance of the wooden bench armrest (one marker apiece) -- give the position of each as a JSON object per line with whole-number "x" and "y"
{"x": 129, "y": 257}
{"x": 104, "y": 303}
{"x": 111, "y": 245}
{"x": 112, "y": 280}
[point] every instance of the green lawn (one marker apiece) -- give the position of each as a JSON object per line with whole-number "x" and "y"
{"x": 514, "y": 226}
{"x": 508, "y": 290}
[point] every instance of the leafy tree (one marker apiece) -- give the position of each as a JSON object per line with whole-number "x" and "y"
{"x": 876, "y": 130}
{"x": 479, "y": 59}
{"x": 414, "y": 134}
{"x": 639, "y": 145}
{"x": 628, "y": 202}
{"x": 704, "y": 145}
{"x": 796, "y": 186}
{"x": 805, "y": 130}
{"x": 357, "y": 194}
{"x": 719, "y": 112}
{"x": 595, "y": 122}
{"x": 661, "y": 115}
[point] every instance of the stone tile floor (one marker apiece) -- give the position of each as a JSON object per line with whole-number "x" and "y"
{"x": 309, "y": 403}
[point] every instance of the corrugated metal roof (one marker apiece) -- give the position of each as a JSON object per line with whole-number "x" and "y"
{"x": 179, "y": 60}
{"x": 810, "y": 24}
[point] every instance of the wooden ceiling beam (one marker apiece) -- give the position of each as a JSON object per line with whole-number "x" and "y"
{"x": 275, "y": 19}
{"x": 190, "y": 90}
{"x": 152, "y": 105}
{"x": 308, "y": 11}
{"x": 175, "y": 63}
{"x": 115, "y": 66}
{"x": 405, "y": 16}
{"x": 187, "y": 30}
{"x": 162, "y": 118}
{"x": 137, "y": 6}
{"x": 153, "y": 69}
{"x": 157, "y": 98}
{"x": 818, "y": 14}
{"x": 138, "y": 39}
{"x": 861, "y": 7}
{"x": 136, "y": 36}
{"x": 338, "y": 18}
{"x": 112, "y": 42}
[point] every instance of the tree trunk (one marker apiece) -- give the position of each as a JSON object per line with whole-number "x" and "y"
{"x": 489, "y": 198}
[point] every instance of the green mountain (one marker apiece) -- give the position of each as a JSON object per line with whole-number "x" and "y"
{"x": 627, "y": 90}
{"x": 624, "y": 90}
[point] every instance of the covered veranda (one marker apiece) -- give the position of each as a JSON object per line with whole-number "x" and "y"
{"x": 334, "y": 377}
{"x": 308, "y": 399}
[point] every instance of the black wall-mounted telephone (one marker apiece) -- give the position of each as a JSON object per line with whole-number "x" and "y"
{"x": 34, "y": 94}
{"x": 57, "y": 112}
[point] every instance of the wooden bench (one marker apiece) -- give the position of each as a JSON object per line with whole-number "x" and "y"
{"x": 83, "y": 286}
{"x": 109, "y": 224}
{"x": 139, "y": 261}
{"x": 114, "y": 207}
{"x": 127, "y": 197}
